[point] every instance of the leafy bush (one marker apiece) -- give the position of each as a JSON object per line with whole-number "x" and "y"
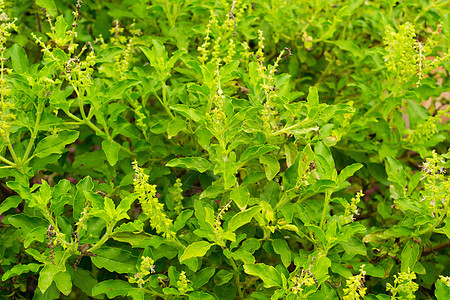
{"x": 224, "y": 149}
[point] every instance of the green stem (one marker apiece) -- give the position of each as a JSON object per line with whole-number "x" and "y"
{"x": 350, "y": 149}
{"x": 164, "y": 100}
{"x": 374, "y": 108}
{"x": 236, "y": 278}
{"x": 80, "y": 102}
{"x": 98, "y": 130}
{"x": 34, "y": 132}
{"x": 209, "y": 105}
{"x": 283, "y": 200}
{"x": 423, "y": 11}
{"x": 154, "y": 293}
{"x": 7, "y": 161}
{"x": 324, "y": 73}
{"x": 50, "y": 219}
{"x": 325, "y": 205}
{"x": 104, "y": 238}
{"x": 11, "y": 150}
{"x": 304, "y": 123}
{"x": 75, "y": 117}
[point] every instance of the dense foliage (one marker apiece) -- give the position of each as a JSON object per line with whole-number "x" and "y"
{"x": 224, "y": 149}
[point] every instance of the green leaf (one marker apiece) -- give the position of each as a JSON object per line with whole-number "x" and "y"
{"x": 229, "y": 68}
{"x": 354, "y": 246}
{"x": 327, "y": 292}
{"x": 268, "y": 274}
{"x": 51, "y": 269}
{"x": 256, "y": 152}
{"x": 26, "y": 223}
{"x": 318, "y": 232}
{"x": 240, "y": 196}
{"x": 200, "y": 295}
{"x": 55, "y": 143}
{"x": 203, "y": 137}
{"x": 242, "y": 218}
{"x": 112, "y": 288}
{"x": 61, "y": 188}
{"x": 170, "y": 291}
{"x": 202, "y": 277}
{"x": 212, "y": 191}
{"x": 350, "y": 230}
{"x": 324, "y": 161}
{"x": 446, "y": 228}
{"x": 94, "y": 199}
{"x": 84, "y": 280}
{"x": 409, "y": 256}
{"x": 395, "y": 171}
{"x": 313, "y": 96}
{"x": 43, "y": 196}
{"x": 23, "y": 191}
{"x": 136, "y": 293}
{"x": 374, "y": 271}
{"x": 36, "y": 234}
{"x": 19, "y": 59}
{"x": 10, "y": 202}
{"x": 125, "y": 205}
{"x": 182, "y": 219}
{"x": 111, "y": 149}
{"x": 63, "y": 282}
{"x": 414, "y": 181}
{"x": 341, "y": 270}
{"x": 191, "y": 163}
{"x": 175, "y": 126}
{"x": 417, "y": 113}
{"x": 159, "y": 50}
{"x": 195, "y": 250}
{"x": 137, "y": 240}
{"x": 110, "y": 209}
{"x": 320, "y": 267}
{"x": 347, "y": 172}
{"x": 243, "y": 255}
{"x": 50, "y": 294}
{"x": 79, "y": 201}
{"x": 115, "y": 260}
{"x": 350, "y": 46}
{"x": 148, "y": 53}
{"x": 271, "y": 165}
{"x": 320, "y": 186}
{"x": 116, "y": 90}
{"x": 281, "y": 247}
{"x": 290, "y": 176}
{"x": 187, "y": 112}
{"x": 222, "y": 277}
{"x": 204, "y": 215}
{"x": 442, "y": 291}
{"x": 49, "y": 5}
{"x": 20, "y": 269}
{"x": 60, "y": 36}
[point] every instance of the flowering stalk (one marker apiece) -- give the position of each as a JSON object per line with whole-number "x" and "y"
{"x": 436, "y": 193}
{"x": 404, "y": 287}
{"x": 355, "y": 289}
{"x": 147, "y": 267}
{"x": 151, "y": 208}
{"x": 351, "y": 209}
{"x": 6, "y": 108}
{"x": 302, "y": 280}
{"x": 182, "y": 284}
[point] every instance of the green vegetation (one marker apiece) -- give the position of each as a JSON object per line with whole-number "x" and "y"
{"x": 224, "y": 149}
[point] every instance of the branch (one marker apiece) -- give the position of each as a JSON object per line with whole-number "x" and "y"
{"x": 232, "y": 17}
{"x": 436, "y": 248}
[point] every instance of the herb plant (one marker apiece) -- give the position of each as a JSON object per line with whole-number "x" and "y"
{"x": 224, "y": 149}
